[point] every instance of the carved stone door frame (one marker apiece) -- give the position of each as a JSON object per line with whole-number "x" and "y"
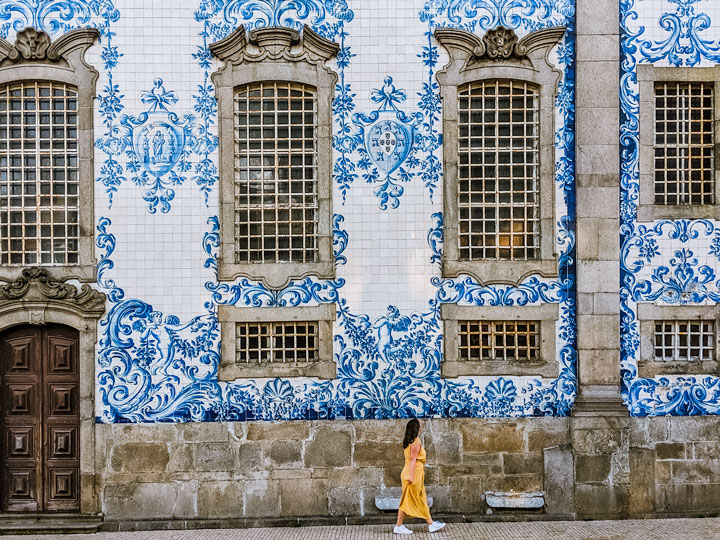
{"x": 37, "y": 299}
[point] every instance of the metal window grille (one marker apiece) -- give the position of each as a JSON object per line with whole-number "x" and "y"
{"x": 499, "y": 340}
{"x": 684, "y": 143}
{"x": 277, "y": 342}
{"x": 498, "y": 170}
{"x": 38, "y": 174}
{"x": 684, "y": 341}
{"x": 276, "y": 199}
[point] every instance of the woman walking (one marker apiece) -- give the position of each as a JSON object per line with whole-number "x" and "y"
{"x": 413, "y": 502}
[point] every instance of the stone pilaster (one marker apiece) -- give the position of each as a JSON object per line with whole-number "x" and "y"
{"x": 598, "y": 177}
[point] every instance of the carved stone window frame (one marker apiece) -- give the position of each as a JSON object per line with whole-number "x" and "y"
{"x": 499, "y": 55}
{"x": 324, "y": 368}
{"x": 275, "y": 54}
{"x": 35, "y": 58}
{"x": 36, "y": 298}
{"x": 546, "y": 366}
{"x": 647, "y": 76}
{"x": 648, "y": 314}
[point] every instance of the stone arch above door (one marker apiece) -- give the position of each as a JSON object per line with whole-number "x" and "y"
{"x": 36, "y": 298}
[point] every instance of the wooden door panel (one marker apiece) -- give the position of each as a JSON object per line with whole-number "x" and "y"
{"x": 21, "y": 371}
{"x": 61, "y": 399}
{"x": 63, "y": 489}
{"x": 20, "y": 443}
{"x": 40, "y": 461}
{"x": 61, "y": 354}
{"x": 63, "y": 443}
{"x": 61, "y": 417}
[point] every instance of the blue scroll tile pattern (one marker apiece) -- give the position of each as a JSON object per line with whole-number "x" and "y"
{"x": 157, "y": 139}
{"x": 667, "y": 262}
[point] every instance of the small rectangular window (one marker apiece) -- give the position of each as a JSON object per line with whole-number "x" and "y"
{"x": 499, "y": 340}
{"x": 276, "y": 342}
{"x": 276, "y": 191}
{"x": 39, "y": 184}
{"x": 684, "y": 341}
{"x": 498, "y": 171}
{"x": 684, "y": 143}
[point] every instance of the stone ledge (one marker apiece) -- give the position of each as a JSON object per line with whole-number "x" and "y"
{"x": 500, "y": 499}
{"x": 389, "y": 499}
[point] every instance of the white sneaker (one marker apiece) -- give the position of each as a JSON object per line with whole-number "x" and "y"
{"x": 401, "y": 529}
{"x": 436, "y": 526}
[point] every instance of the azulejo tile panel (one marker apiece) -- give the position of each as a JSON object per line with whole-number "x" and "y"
{"x": 157, "y": 164}
{"x": 666, "y": 262}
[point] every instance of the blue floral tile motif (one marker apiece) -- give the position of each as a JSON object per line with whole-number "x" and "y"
{"x": 684, "y": 46}
{"x": 153, "y": 367}
{"x": 665, "y": 262}
{"x": 53, "y": 16}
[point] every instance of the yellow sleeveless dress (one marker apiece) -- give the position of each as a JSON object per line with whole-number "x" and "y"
{"x": 414, "y": 498}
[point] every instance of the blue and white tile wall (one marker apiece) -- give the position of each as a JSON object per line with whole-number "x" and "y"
{"x": 666, "y": 262}
{"x": 157, "y": 226}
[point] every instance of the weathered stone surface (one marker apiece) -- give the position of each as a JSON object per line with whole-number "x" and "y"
{"x": 139, "y": 457}
{"x": 121, "y": 433}
{"x": 250, "y": 457}
{"x": 223, "y": 499}
{"x": 304, "y": 498}
{"x": 443, "y": 447}
{"x": 181, "y": 457}
{"x": 391, "y": 475}
{"x": 597, "y": 500}
{"x": 705, "y": 450}
{"x": 149, "y": 500}
{"x": 374, "y": 454}
{"x": 642, "y": 481}
{"x": 517, "y": 483}
{"x": 383, "y": 430}
{"x": 206, "y": 432}
{"x": 344, "y": 501}
{"x": 592, "y": 469}
{"x": 329, "y": 448}
{"x": 466, "y": 494}
{"x": 262, "y": 498}
{"x": 492, "y": 437}
{"x": 531, "y": 463}
{"x": 559, "y": 480}
{"x": 596, "y": 441}
{"x": 692, "y": 498}
{"x": 670, "y": 450}
{"x": 258, "y": 431}
{"x": 214, "y": 457}
{"x": 694, "y": 428}
{"x": 286, "y": 454}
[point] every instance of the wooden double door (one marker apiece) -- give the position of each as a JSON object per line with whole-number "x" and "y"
{"x": 39, "y": 380}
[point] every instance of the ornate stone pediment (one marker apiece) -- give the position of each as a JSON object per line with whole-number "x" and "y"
{"x": 32, "y": 45}
{"x": 274, "y": 43}
{"x": 498, "y": 44}
{"x": 36, "y": 285}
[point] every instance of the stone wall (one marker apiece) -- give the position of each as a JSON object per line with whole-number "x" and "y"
{"x": 260, "y": 473}
{"x": 304, "y": 469}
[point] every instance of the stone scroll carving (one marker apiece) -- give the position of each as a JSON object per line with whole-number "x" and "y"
{"x": 32, "y": 45}
{"x": 37, "y": 285}
{"x": 274, "y": 43}
{"x": 498, "y": 44}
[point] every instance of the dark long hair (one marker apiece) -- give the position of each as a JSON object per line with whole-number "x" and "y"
{"x": 411, "y": 432}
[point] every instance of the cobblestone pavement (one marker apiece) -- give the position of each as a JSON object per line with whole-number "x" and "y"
{"x": 657, "y": 529}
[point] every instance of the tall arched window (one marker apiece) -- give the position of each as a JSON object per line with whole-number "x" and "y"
{"x": 46, "y": 155}
{"x": 498, "y": 171}
{"x": 39, "y": 183}
{"x": 276, "y": 191}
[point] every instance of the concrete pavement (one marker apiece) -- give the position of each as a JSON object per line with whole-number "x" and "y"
{"x": 658, "y": 529}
